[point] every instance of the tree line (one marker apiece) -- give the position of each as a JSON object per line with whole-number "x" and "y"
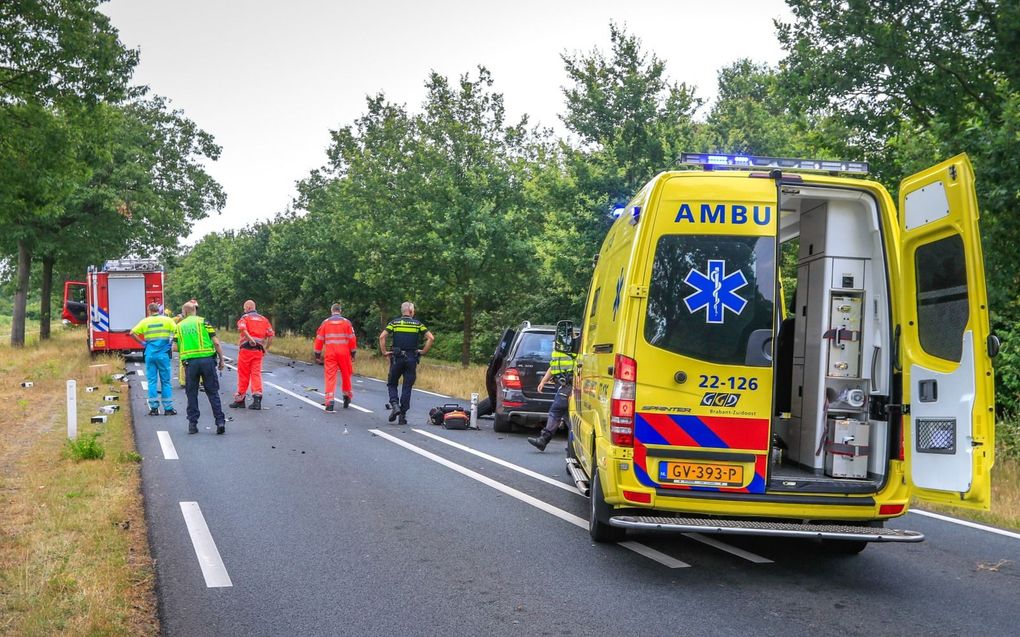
{"x": 485, "y": 221}
{"x": 91, "y": 166}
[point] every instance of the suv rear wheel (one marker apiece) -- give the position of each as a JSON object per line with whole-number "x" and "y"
{"x": 501, "y": 424}
{"x": 484, "y": 407}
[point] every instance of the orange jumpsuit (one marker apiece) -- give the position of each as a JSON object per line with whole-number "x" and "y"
{"x": 336, "y": 336}
{"x": 249, "y": 355}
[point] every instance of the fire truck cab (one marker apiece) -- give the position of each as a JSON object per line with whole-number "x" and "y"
{"x": 112, "y": 300}
{"x": 700, "y": 406}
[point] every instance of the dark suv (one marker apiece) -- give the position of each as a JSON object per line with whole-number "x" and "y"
{"x": 511, "y": 380}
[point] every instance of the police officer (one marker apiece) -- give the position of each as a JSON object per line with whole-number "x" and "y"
{"x": 201, "y": 354}
{"x": 561, "y": 372}
{"x": 256, "y": 333}
{"x": 406, "y": 332}
{"x": 156, "y": 332}
{"x": 336, "y": 336}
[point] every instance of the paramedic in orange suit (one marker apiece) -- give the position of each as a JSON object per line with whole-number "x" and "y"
{"x": 336, "y": 346}
{"x": 256, "y": 335}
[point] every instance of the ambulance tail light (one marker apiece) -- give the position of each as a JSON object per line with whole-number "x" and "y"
{"x": 621, "y": 421}
{"x": 512, "y": 379}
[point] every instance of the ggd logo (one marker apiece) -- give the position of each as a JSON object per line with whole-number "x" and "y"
{"x": 713, "y": 399}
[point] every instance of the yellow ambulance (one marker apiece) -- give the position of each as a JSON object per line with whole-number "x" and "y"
{"x": 703, "y": 403}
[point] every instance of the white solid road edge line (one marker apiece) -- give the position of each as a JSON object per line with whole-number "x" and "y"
{"x": 662, "y": 558}
{"x": 205, "y": 548}
{"x": 169, "y": 451}
{"x": 499, "y": 461}
{"x": 304, "y": 398}
{"x": 722, "y": 546}
{"x": 973, "y": 525}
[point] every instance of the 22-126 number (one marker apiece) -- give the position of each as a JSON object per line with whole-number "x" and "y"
{"x": 737, "y": 383}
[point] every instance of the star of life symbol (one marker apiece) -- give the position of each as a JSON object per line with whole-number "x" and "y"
{"x": 716, "y": 291}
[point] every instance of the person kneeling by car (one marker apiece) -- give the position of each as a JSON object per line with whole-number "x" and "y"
{"x": 561, "y": 371}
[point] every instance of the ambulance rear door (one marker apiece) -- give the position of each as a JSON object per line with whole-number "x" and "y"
{"x": 949, "y": 438}
{"x": 703, "y": 347}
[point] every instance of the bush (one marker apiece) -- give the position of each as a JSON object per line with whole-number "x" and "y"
{"x": 86, "y": 447}
{"x": 1007, "y": 437}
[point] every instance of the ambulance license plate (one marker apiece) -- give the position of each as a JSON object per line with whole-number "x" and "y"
{"x": 702, "y": 474}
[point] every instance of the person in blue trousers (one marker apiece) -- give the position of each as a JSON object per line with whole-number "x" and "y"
{"x": 156, "y": 332}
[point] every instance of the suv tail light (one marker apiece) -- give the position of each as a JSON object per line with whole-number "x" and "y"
{"x": 512, "y": 379}
{"x": 621, "y": 421}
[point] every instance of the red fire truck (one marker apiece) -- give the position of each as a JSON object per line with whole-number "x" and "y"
{"x": 112, "y": 300}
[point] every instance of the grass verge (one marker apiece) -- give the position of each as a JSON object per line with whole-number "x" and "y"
{"x": 1005, "y": 510}
{"x": 442, "y": 377}
{"x": 74, "y": 556}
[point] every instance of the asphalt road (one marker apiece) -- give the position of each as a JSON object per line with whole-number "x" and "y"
{"x": 345, "y": 524}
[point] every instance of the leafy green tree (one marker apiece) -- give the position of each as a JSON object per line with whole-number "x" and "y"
{"x": 57, "y": 58}
{"x": 629, "y": 122}
{"x": 919, "y": 82}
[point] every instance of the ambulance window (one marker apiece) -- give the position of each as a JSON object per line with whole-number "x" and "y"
{"x": 942, "y": 304}
{"x": 709, "y": 293}
{"x": 595, "y": 302}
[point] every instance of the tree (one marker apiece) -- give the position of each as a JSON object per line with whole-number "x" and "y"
{"x": 57, "y": 57}
{"x": 146, "y": 186}
{"x": 630, "y": 122}
{"x": 919, "y": 82}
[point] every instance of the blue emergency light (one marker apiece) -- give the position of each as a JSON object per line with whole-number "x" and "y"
{"x": 708, "y": 161}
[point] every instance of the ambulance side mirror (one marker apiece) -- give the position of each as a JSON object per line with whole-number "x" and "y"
{"x": 565, "y": 336}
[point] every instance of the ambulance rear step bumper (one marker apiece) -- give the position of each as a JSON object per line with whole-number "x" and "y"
{"x": 577, "y": 475}
{"x": 766, "y": 528}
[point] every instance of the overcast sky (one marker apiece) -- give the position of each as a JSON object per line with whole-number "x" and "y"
{"x": 270, "y": 78}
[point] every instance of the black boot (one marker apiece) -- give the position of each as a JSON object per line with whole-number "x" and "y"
{"x": 394, "y": 411}
{"x": 238, "y": 403}
{"x": 347, "y": 401}
{"x": 329, "y": 406}
{"x": 403, "y": 418}
{"x": 541, "y": 440}
{"x": 256, "y": 401}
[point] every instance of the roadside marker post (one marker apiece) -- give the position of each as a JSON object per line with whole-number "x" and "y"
{"x": 72, "y": 409}
{"x": 474, "y": 411}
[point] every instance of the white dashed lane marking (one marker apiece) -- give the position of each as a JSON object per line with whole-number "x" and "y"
{"x": 169, "y": 451}
{"x": 209, "y": 560}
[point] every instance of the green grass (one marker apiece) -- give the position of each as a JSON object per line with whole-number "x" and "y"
{"x": 86, "y": 447}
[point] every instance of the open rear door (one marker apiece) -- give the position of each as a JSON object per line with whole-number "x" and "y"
{"x": 949, "y": 441}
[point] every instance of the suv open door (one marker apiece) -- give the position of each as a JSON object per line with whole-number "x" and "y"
{"x": 947, "y": 371}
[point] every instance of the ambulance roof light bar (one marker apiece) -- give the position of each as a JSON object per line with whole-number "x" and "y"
{"x": 710, "y": 161}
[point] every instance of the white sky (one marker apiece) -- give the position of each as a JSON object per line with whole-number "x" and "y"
{"x": 270, "y": 78}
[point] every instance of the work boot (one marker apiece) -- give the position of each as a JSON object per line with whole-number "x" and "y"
{"x": 238, "y": 403}
{"x": 403, "y": 418}
{"x": 394, "y": 411}
{"x": 329, "y": 406}
{"x": 347, "y": 401}
{"x": 220, "y": 428}
{"x": 541, "y": 440}
{"x": 170, "y": 412}
{"x": 192, "y": 427}
{"x": 256, "y": 402}
{"x": 153, "y": 411}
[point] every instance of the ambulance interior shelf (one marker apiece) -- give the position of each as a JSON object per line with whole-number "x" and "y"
{"x": 823, "y": 431}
